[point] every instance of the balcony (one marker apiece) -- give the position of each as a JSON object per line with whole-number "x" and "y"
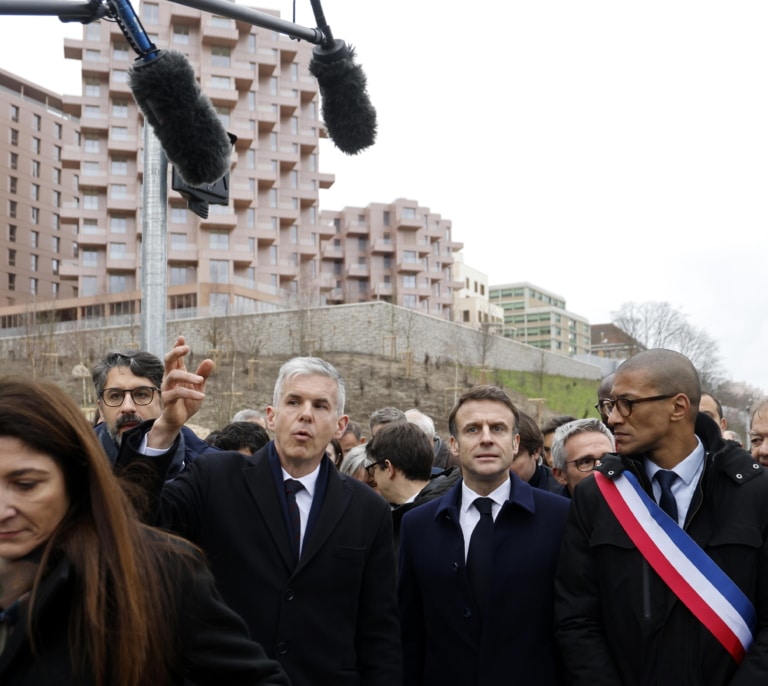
{"x": 92, "y": 238}
{"x": 219, "y": 35}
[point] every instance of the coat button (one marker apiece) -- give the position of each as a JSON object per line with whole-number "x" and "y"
{"x": 455, "y": 566}
{"x": 739, "y": 476}
{"x": 611, "y": 473}
{"x": 756, "y": 466}
{"x": 289, "y": 594}
{"x": 467, "y": 613}
{"x": 282, "y": 648}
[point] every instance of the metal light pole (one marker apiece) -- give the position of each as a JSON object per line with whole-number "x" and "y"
{"x": 154, "y": 246}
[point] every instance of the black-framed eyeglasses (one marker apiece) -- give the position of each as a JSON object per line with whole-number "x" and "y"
{"x": 624, "y": 405}
{"x": 585, "y": 464}
{"x": 371, "y": 468}
{"x": 114, "y": 397}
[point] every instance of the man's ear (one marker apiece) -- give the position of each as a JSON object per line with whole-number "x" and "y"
{"x": 559, "y": 476}
{"x": 682, "y": 407}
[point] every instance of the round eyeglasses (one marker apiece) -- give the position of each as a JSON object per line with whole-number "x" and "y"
{"x": 585, "y": 464}
{"x": 114, "y": 397}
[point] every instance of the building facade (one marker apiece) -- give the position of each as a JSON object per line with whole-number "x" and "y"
{"x": 399, "y": 253}
{"x": 34, "y": 241}
{"x": 471, "y": 302}
{"x": 539, "y": 318}
{"x": 270, "y": 247}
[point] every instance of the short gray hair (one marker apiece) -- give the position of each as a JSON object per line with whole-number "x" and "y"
{"x": 423, "y": 421}
{"x": 564, "y": 432}
{"x": 355, "y": 458}
{"x": 309, "y": 366}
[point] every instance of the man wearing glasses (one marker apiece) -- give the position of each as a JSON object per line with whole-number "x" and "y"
{"x": 667, "y": 593}
{"x": 578, "y": 447}
{"x": 128, "y": 392}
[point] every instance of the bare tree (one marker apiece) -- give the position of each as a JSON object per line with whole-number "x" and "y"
{"x": 658, "y": 325}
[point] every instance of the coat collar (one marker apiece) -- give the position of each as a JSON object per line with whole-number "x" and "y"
{"x": 520, "y": 496}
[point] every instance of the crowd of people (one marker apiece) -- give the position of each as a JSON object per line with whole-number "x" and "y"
{"x": 296, "y": 546}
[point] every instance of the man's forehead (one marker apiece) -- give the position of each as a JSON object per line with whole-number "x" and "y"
{"x": 632, "y": 382}
{"x": 483, "y": 410}
{"x": 594, "y": 443}
{"x": 316, "y": 386}
{"x": 122, "y": 377}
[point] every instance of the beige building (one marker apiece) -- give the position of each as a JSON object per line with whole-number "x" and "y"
{"x": 37, "y": 185}
{"x": 538, "y": 317}
{"x": 471, "y": 302}
{"x": 271, "y": 247}
{"x": 399, "y": 253}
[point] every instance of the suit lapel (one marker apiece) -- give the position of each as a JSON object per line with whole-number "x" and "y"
{"x": 261, "y": 483}
{"x": 334, "y": 504}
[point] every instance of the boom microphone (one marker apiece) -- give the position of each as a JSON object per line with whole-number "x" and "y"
{"x": 349, "y": 116}
{"x": 182, "y": 116}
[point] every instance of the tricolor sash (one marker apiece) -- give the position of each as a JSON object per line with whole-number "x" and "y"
{"x": 716, "y": 601}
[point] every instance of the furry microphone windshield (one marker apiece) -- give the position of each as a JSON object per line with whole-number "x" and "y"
{"x": 349, "y": 116}
{"x": 183, "y": 118}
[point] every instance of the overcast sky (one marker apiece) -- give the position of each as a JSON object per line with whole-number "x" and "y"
{"x": 608, "y": 151}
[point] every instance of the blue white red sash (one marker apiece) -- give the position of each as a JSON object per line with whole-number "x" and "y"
{"x": 717, "y": 602}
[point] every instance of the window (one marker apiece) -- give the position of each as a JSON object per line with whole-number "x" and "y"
{"x": 409, "y": 256}
{"x": 90, "y": 258}
{"x": 13, "y": 160}
{"x": 118, "y": 283}
{"x": 34, "y": 191}
{"x": 224, "y": 82}
{"x": 36, "y": 146}
{"x": 218, "y": 240}
{"x": 36, "y": 169}
{"x": 91, "y": 200}
{"x": 90, "y": 168}
{"x": 58, "y": 130}
{"x": 11, "y": 282}
{"x": 12, "y": 209}
{"x": 92, "y": 88}
{"x": 118, "y": 251}
{"x": 55, "y": 267}
{"x": 56, "y": 175}
{"x": 34, "y": 215}
{"x": 14, "y": 113}
{"x": 181, "y": 34}
{"x": 33, "y": 261}
{"x": 178, "y": 241}
{"x": 118, "y": 224}
{"x": 88, "y": 285}
{"x": 91, "y": 142}
{"x": 55, "y": 244}
{"x": 13, "y": 184}
{"x": 150, "y": 13}
{"x": 119, "y": 133}
{"x": 409, "y": 281}
{"x": 11, "y": 257}
{"x": 178, "y": 215}
{"x": 120, "y": 109}
{"x": 219, "y": 271}
{"x": 118, "y": 191}
{"x": 91, "y": 111}
{"x": 119, "y": 166}
{"x": 181, "y": 275}
{"x": 120, "y": 75}
{"x": 90, "y": 226}
{"x": 11, "y": 233}
{"x": 386, "y": 218}
{"x": 14, "y": 137}
{"x": 36, "y": 122}
{"x": 120, "y": 51}
{"x": 220, "y": 56}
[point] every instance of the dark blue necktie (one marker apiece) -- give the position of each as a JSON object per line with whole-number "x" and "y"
{"x": 294, "y": 517}
{"x": 667, "y": 501}
{"x": 480, "y": 553}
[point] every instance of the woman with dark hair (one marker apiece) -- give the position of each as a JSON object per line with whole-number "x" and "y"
{"x": 88, "y": 594}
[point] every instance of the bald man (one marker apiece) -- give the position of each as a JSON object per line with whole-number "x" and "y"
{"x": 618, "y": 621}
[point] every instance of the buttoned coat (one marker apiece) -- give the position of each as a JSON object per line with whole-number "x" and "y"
{"x": 445, "y": 639}
{"x": 332, "y": 619}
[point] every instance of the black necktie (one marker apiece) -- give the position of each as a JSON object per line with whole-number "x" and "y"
{"x": 480, "y": 553}
{"x": 667, "y": 501}
{"x": 294, "y": 517}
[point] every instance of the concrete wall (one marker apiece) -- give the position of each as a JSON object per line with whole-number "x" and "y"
{"x": 374, "y": 328}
